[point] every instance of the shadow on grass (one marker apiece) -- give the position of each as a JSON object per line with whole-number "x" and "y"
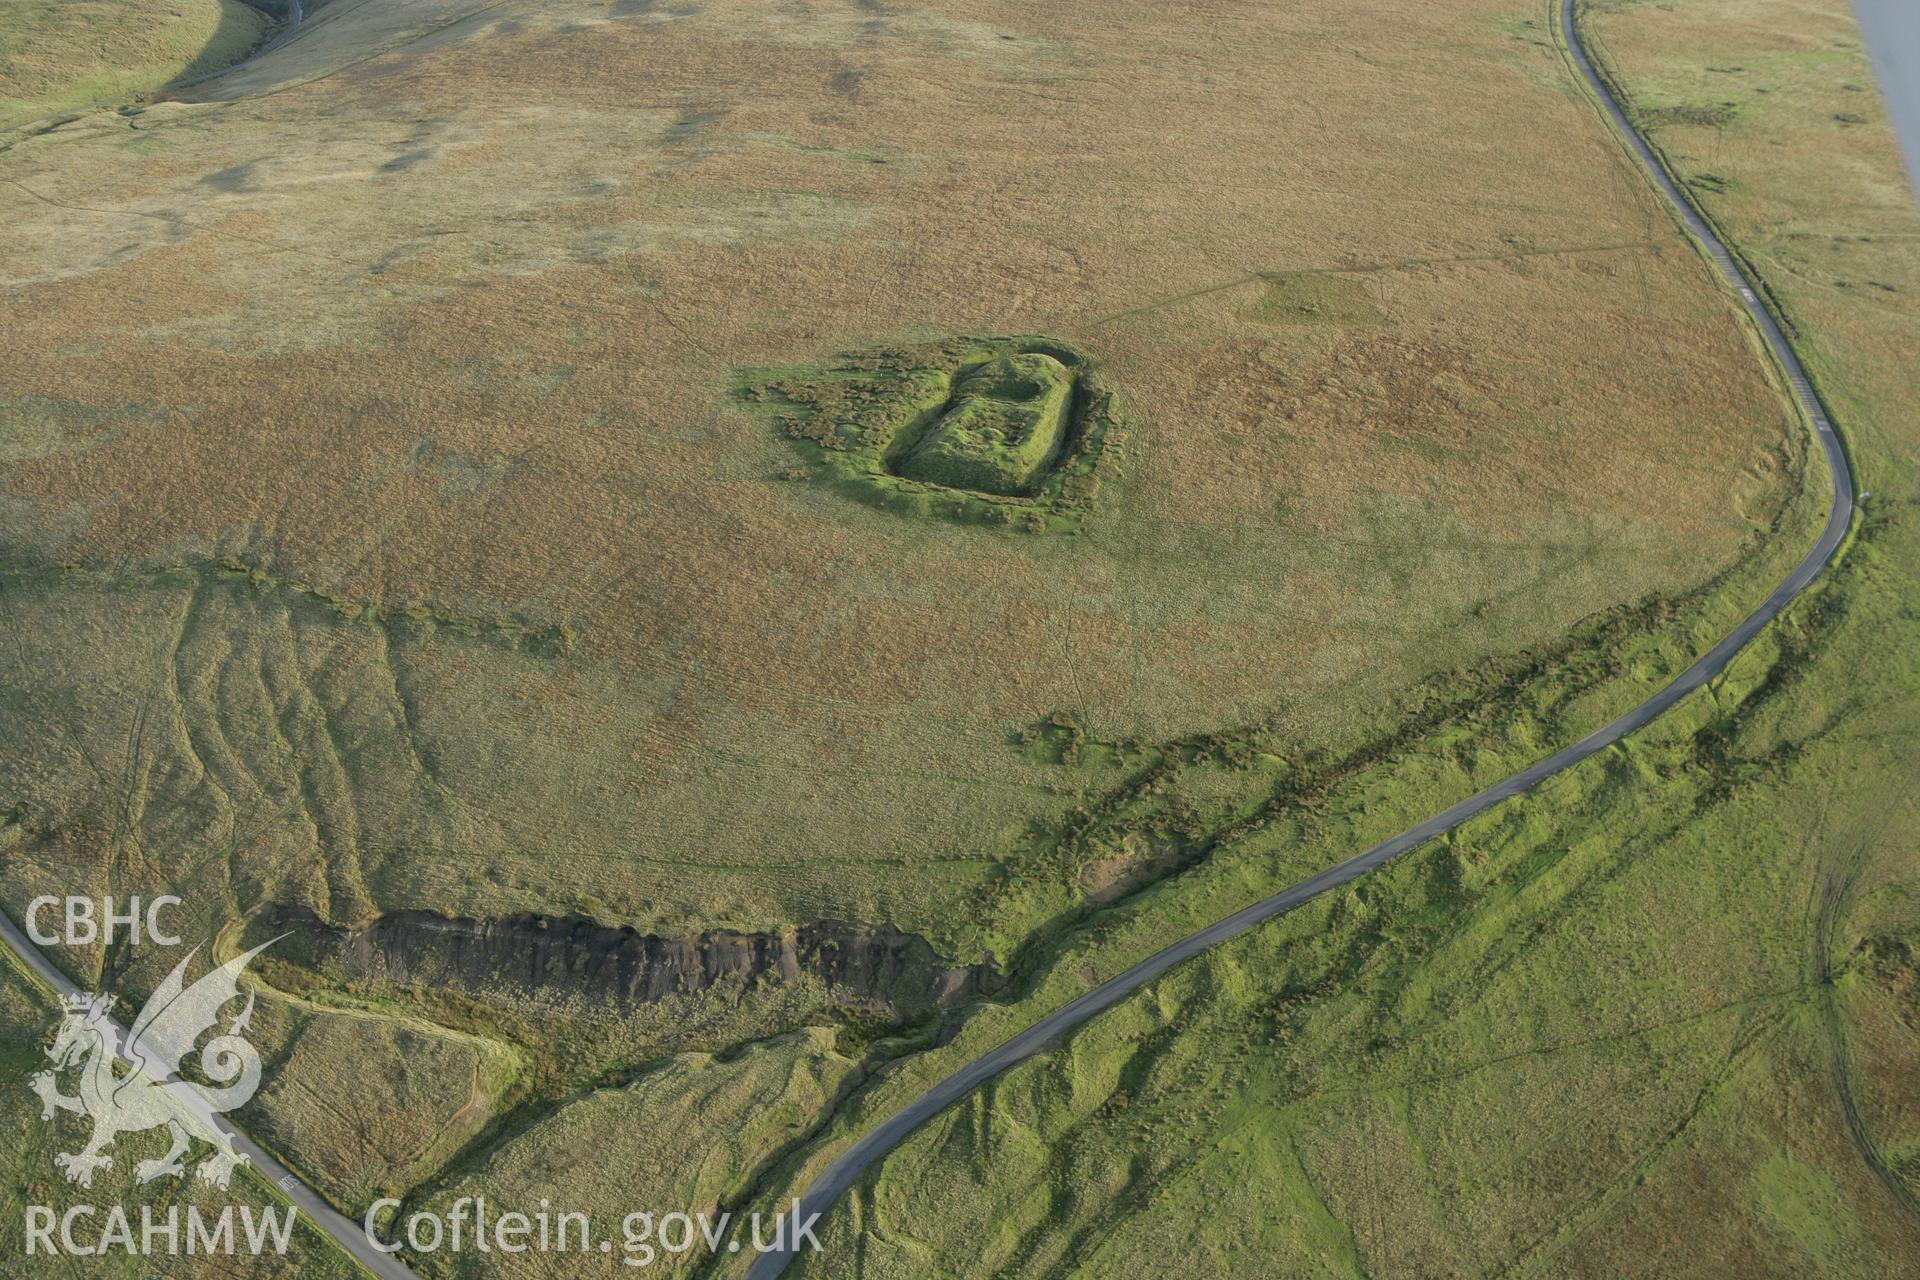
{"x": 244, "y": 26}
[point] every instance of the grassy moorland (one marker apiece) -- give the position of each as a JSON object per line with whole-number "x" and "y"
{"x": 1658, "y": 1019}
{"x": 427, "y": 559}
{"x": 62, "y": 55}
{"x": 383, "y": 529}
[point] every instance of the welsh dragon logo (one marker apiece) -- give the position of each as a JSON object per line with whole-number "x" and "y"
{"x": 135, "y": 1085}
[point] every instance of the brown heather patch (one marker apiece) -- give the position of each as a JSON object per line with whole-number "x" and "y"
{"x": 458, "y": 328}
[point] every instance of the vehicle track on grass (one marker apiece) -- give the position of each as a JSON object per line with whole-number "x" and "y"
{"x": 348, "y": 1235}
{"x": 1837, "y": 885}
{"x": 873, "y": 1146}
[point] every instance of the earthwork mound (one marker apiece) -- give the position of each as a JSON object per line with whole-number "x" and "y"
{"x": 1006, "y": 431}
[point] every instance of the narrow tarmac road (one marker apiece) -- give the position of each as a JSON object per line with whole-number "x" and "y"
{"x": 872, "y": 1147}
{"x": 344, "y": 1232}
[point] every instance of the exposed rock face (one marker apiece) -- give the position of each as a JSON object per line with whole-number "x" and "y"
{"x": 575, "y": 956}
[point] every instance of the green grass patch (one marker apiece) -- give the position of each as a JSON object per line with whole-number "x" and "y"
{"x": 65, "y": 55}
{"x": 1314, "y": 297}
